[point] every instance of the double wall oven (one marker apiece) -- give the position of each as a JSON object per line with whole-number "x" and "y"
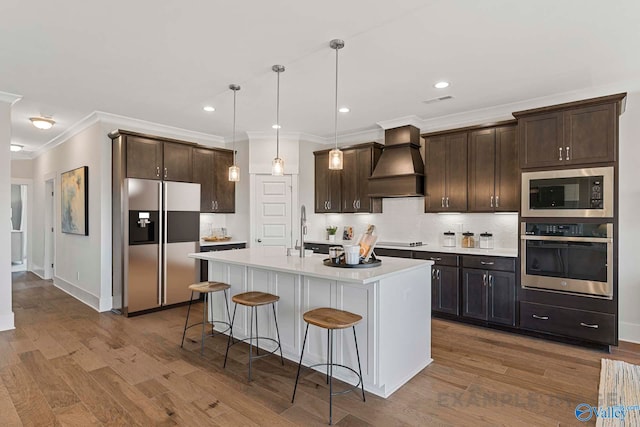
{"x": 567, "y": 231}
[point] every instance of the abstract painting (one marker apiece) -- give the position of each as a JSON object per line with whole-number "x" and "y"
{"x": 75, "y": 201}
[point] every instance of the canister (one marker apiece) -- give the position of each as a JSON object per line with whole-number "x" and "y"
{"x": 468, "y": 241}
{"x": 486, "y": 240}
{"x": 449, "y": 239}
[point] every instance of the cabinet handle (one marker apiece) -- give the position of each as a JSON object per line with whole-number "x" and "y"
{"x": 560, "y": 157}
{"x": 497, "y": 201}
{"x": 329, "y": 202}
{"x": 358, "y": 203}
{"x": 442, "y": 203}
{"x": 165, "y": 173}
{"x": 491, "y": 280}
{"x": 435, "y": 259}
{"x": 567, "y": 153}
{"x": 535, "y": 316}
{"x": 433, "y": 274}
{"x": 438, "y": 274}
{"x": 158, "y": 171}
{"x": 484, "y": 279}
{"x": 491, "y": 201}
{"x": 212, "y": 205}
{"x": 586, "y": 325}
{"x": 447, "y": 202}
{"x": 486, "y": 262}
{"x": 325, "y": 205}
{"x": 354, "y": 204}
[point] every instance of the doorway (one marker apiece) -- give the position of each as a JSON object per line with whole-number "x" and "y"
{"x": 20, "y": 208}
{"x": 272, "y": 211}
{"x": 49, "y": 227}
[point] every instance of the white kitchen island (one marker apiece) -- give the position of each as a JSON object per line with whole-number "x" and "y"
{"x": 394, "y": 300}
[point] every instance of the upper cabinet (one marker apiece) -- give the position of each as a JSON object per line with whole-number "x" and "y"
{"x": 155, "y": 159}
{"x": 347, "y": 190}
{"x": 210, "y": 170}
{"x": 577, "y": 133}
{"x": 446, "y": 173}
{"x": 493, "y": 170}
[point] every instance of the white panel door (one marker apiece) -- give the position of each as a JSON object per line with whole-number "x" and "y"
{"x": 273, "y": 219}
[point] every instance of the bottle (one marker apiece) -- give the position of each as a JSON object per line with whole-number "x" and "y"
{"x": 486, "y": 240}
{"x": 467, "y": 240}
{"x": 449, "y": 240}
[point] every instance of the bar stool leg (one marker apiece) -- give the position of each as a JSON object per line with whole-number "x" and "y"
{"x": 204, "y": 321}
{"x": 328, "y": 332}
{"x": 233, "y": 319}
{"x": 359, "y": 368}
{"x": 330, "y": 377}
{"x": 186, "y": 322}
{"x": 304, "y": 342}
{"x": 250, "y": 341}
{"x": 257, "y": 335}
{"x": 275, "y": 319}
{"x": 226, "y": 303}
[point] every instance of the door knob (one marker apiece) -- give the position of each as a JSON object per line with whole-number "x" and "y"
{"x": 259, "y": 240}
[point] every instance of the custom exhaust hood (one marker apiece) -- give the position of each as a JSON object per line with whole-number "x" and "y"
{"x": 400, "y": 170}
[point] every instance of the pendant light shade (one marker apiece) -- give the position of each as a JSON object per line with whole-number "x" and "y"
{"x": 277, "y": 165}
{"x": 335, "y": 155}
{"x": 234, "y": 171}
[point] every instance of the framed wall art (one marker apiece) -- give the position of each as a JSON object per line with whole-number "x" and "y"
{"x": 75, "y": 201}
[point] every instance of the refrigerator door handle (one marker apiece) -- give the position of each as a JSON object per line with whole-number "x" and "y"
{"x": 165, "y": 215}
{"x": 160, "y": 240}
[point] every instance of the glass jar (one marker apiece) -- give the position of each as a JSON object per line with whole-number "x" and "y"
{"x": 449, "y": 239}
{"x": 468, "y": 241}
{"x": 486, "y": 241}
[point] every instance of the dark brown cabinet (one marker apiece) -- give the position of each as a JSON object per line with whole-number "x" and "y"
{"x": 445, "y": 289}
{"x": 446, "y": 173}
{"x": 155, "y": 159}
{"x": 358, "y": 166}
{"x": 328, "y": 185}
{"x": 493, "y": 170}
{"x": 210, "y": 170}
{"x": 572, "y": 134}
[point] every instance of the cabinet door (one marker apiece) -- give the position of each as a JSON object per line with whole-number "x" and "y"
{"x": 474, "y": 293}
{"x": 224, "y": 191}
{"x": 350, "y": 177}
{"x": 435, "y": 165}
{"x": 203, "y": 166}
{"x": 502, "y": 297}
{"x": 321, "y": 181}
{"x": 456, "y": 177}
{"x": 541, "y": 140}
{"x": 507, "y": 178}
{"x": 178, "y": 162}
{"x": 445, "y": 297}
{"x": 367, "y": 158}
{"x": 589, "y": 134}
{"x": 482, "y": 159}
{"x": 144, "y": 158}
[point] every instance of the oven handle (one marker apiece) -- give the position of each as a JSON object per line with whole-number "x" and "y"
{"x": 568, "y": 239}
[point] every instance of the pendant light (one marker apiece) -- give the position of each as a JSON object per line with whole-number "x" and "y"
{"x": 335, "y": 155}
{"x": 234, "y": 171}
{"x": 277, "y": 166}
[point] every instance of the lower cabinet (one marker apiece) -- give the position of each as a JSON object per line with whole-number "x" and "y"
{"x": 318, "y": 248}
{"x": 445, "y": 289}
{"x": 489, "y": 295}
{"x": 204, "y": 267}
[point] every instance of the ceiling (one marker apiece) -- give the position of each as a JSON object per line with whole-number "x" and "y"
{"x": 163, "y": 61}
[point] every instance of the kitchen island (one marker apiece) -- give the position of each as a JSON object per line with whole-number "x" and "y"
{"x": 394, "y": 300}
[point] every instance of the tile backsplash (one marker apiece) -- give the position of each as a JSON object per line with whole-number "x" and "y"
{"x": 403, "y": 219}
{"x": 209, "y": 221}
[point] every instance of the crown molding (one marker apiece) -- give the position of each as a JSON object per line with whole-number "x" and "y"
{"x": 271, "y": 136}
{"x": 412, "y": 120}
{"x": 143, "y": 126}
{"x": 72, "y": 131}
{"x": 9, "y": 98}
{"x": 368, "y": 135}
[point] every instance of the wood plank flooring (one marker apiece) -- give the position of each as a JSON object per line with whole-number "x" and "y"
{"x": 66, "y": 365}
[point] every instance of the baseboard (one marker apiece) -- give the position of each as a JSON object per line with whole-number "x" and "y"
{"x": 38, "y": 271}
{"x": 82, "y": 295}
{"x": 7, "y": 322}
{"x": 629, "y": 332}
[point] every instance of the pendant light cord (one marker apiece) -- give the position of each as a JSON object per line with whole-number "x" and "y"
{"x": 234, "y": 126}
{"x": 336, "y": 110}
{"x": 278, "y": 117}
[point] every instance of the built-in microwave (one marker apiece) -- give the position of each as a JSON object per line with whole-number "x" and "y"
{"x": 580, "y": 193}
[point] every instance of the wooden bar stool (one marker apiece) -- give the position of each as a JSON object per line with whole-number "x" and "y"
{"x": 331, "y": 319}
{"x": 253, "y": 300}
{"x": 207, "y": 289}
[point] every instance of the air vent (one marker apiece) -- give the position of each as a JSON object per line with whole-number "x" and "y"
{"x": 438, "y": 99}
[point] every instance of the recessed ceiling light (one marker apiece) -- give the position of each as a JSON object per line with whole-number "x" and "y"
{"x": 276, "y": 126}
{"x": 344, "y": 109}
{"x": 441, "y": 85}
{"x": 15, "y": 148}
{"x": 209, "y": 108}
{"x": 43, "y": 123}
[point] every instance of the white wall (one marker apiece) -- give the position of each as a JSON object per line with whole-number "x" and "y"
{"x": 629, "y": 197}
{"x": 22, "y": 168}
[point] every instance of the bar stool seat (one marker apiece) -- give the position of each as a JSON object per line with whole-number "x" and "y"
{"x": 207, "y": 289}
{"x": 331, "y": 319}
{"x": 253, "y": 300}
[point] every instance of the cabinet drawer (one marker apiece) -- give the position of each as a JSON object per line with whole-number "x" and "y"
{"x": 318, "y": 248}
{"x": 398, "y": 253}
{"x": 489, "y": 263}
{"x": 582, "y": 324}
{"x": 438, "y": 258}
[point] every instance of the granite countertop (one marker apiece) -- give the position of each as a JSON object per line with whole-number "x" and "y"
{"x": 227, "y": 242}
{"x": 503, "y": 252}
{"x": 274, "y": 258}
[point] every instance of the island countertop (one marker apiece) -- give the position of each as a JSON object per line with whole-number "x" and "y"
{"x": 272, "y": 258}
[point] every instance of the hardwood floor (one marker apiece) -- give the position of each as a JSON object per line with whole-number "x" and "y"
{"x": 65, "y": 364}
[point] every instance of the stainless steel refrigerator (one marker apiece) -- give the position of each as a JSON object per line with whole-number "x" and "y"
{"x": 160, "y": 226}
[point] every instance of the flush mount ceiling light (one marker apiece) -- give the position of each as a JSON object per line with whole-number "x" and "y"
{"x": 234, "y": 170}
{"x": 441, "y": 85}
{"x": 277, "y": 166}
{"x": 42, "y": 123}
{"x": 335, "y": 155}
{"x": 344, "y": 109}
{"x": 15, "y": 148}
{"x": 209, "y": 108}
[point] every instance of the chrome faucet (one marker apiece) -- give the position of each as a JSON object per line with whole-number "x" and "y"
{"x": 303, "y": 229}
